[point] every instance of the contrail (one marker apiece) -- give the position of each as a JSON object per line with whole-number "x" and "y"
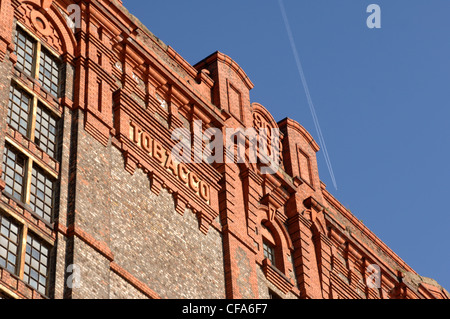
{"x": 308, "y": 94}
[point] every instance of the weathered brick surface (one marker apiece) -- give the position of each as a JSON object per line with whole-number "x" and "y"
{"x": 151, "y": 240}
{"x": 135, "y": 227}
{"x": 265, "y": 285}
{"x": 5, "y": 82}
{"x": 147, "y": 237}
{"x": 121, "y": 289}
{"x": 95, "y": 272}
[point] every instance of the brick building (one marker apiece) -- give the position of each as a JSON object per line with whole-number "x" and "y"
{"x": 88, "y": 101}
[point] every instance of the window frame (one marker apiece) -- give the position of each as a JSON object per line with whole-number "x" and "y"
{"x": 13, "y": 88}
{"x": 25, "y": 230}
{"x": 39, "y": 47}
{"x": 32, "y": 38}
{"x": 39, "y": 170}
{"x": 269, "y": 252}
{"x": 11, "y": 148}
{"x": 36, "y": 102}
{"x": 52, "y": 116}
{"x": 18, "y": 242}
{"x": 27, "y": 180}
{"x": 27, "y": 277}
{"x": 42, "y": 63}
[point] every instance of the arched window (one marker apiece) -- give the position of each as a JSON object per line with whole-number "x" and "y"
{"x": 271, "y": 248}
{"x": 269, "y": 252}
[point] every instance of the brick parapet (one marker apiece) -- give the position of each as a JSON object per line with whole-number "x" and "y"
{"x": 117, "y": 200}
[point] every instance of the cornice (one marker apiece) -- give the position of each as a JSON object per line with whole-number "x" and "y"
{"x": 364, "y": 230}
{"x": 292, "y": 124}
{"x": 219, "y": 56}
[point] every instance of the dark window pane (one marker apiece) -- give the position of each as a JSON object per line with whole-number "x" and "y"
{"x": 45, "y": 132}
{"x": 19, "y": 110}
{"x": 25, "y": 50}
{"x": 48, "y": 68}
{"x": 9, "y": 243}
{"x": 41, "y": 194}
{"x": 13, "y": 172}
{"x": 269, "y": 252}
{"x": 36, "y": 264}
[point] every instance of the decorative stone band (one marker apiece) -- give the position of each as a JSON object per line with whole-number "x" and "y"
{"x": 277, "y": 278}
{"x": 105, "y": 251}
{"x": 99, "y": 246}
{"x": 143, "y": 288}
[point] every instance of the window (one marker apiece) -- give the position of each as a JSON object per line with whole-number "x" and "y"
{"x": 46, "y": 130}
{"x": 36, "y": 264}
{"x": 41, "y": 194}
{"x": 25, "y": 112}
{"x": 49, "y": 73}
{"x": 14, "y": 172}
{"x": 269, "y": 252}
{"x": 19, "y": 110}
{"x": 33, "y": 267}
{"x": 9, "y": 244}
{"x": 25, "y": 51}
{"x": 38, "y": 62}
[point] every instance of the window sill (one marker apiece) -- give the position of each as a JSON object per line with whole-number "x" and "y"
{"x": 28, "y": 209}
{"x": 276, "y": 277}
{"x": 17, "y": 288}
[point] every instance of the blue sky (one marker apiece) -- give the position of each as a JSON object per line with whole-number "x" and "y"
{"x": 381, "y": 96}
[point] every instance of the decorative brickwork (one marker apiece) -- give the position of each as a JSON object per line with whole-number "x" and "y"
{"x": 104, "y": 96}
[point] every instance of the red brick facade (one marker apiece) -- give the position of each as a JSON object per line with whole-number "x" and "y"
{"x": 139, "y": 225}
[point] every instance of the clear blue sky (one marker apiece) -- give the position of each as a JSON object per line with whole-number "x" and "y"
{"x": 382, "y": 97}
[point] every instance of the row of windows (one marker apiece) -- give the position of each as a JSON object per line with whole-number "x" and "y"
{"x": 23, "y": 253}
{"x": 25, "y": 180}
{"x": 34, "y": 267}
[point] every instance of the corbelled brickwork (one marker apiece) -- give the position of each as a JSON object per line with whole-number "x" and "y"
{"x": 128, "y": 221}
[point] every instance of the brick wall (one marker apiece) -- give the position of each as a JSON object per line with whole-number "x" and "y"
{"x": 147, "y": 237}
{"x": 136, "y": 230}
{"x": 159, "y": 246}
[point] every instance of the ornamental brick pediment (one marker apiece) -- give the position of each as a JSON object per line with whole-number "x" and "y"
{"x": 262, "y": 119}
{"x": 37, "y": 21}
